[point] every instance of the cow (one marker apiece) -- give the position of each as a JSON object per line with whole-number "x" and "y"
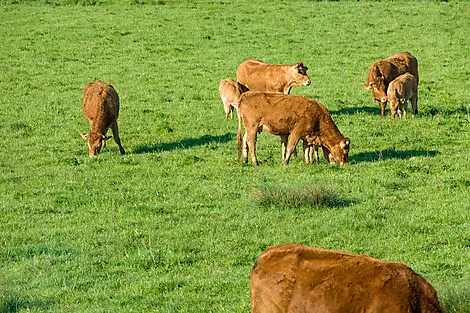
{"x": 100, "y": 107}
{"x": 289, "y": 115}
{"x": 400, "y": 90}
{"x": 261, "y": 76}
{"x": 230, "y": 92}
{"x": 383, "y": 72}
{"x": 294, "y": 278}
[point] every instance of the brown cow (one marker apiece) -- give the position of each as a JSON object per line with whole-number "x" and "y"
{"x": 400, "y": 90}
{"x": 382, "y": 72}
{"x": 285, "y": 115}
{"x": 261, "y": 76}
{"x": 100, "y": 107}
{"x": 293, "y": 278}
{"x": 230, "y": 92}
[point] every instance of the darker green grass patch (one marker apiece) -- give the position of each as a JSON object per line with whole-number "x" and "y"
{"x": 318, "y": 196}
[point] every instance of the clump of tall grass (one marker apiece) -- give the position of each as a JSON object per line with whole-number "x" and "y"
{"x": 315, "y": 196}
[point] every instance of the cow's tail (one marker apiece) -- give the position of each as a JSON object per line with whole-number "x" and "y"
{"x": 239, "y": 133}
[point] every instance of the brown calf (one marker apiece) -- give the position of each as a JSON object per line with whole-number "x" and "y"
{"x": 101, "y": 109}
{"x": 383, "y": 72}
{"x": 230, "y": 92}
{"x": 400, "y": 90}
{"x": 294, "y": 278}
{"x": 261, "y": 76}
{"x": 288, "y": 115}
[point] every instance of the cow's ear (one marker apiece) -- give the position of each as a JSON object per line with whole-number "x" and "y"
{"x": 368, "y": 86}
{"x": 344, "y": 143}
{"x": 84, "y": 135}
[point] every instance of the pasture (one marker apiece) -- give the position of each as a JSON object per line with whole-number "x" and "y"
{"x": 176, "y": 224}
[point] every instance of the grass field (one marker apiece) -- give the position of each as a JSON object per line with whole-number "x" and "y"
{"x": 176, "y": 224}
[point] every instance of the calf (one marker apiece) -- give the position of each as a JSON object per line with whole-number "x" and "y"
{"x": 383, "y": 72}
{"x": 400, "y": 90}
{"x": 261, "y": 76}
{"x": 287, "y": 115}
{"x": 293, "y": 278}
{"x": 230, "y": 92}
{"x": 100, "y": 107}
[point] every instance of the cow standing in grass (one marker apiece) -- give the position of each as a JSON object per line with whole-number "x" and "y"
{"x": 100, "y": 107}
{"x": 288, "y": 115}
{"x": 293, "y": 278}
{"x": 230, "y": 92}
{"x": 257, "y": 75}
{"x": 400, "y": 90}
{"x": 383, "y": 72}
{"x": 261, "y": 76}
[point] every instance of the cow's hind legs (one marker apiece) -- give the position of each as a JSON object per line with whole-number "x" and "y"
{"x": 251, "y": 141}
{"x": 114, "y": 128}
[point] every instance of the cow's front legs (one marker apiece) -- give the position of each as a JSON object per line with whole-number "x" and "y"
{"x": 382, "y": 108}
{"x": 414, "y": 105}
{"x": 294, "y": 139}
{"x": 284, "y": 139}
{"x": 307, "y": 152}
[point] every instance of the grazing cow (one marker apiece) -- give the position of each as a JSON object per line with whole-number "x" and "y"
{"x": 285, "y": 115}
{"x": 400, "y": 90}
{"x": 293, "y": 278}
{"x": 230, "y": 92}
{"x": 101, "y": 109}
{"x": 261, "y": 76}
{"x": 382, "y": 72}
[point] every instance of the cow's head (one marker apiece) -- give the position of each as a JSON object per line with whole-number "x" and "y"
{"x": 299, "y": 75}
{"x": 377, "y": 87}
{"x": 338, "y": 153}
{"x": 95, "y": 142}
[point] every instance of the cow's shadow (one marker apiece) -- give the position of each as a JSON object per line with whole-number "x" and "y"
{"x": 387, "y": 154}
{"x": 183, "y": 144}
{"x": 351, "y": 111}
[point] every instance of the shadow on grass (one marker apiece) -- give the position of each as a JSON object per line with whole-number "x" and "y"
{"x": 387, "y": 154}
{"x": 350, "y": 111}
{"x": 183, "y": 144}
{"x": 18, "y": 305}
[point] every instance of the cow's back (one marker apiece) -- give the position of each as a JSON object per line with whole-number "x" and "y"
{"x": 100, "y": 103}
{"x": 404, "y": 62}
{"x": 261, "y": 76}
{"x": 296, "y": 278}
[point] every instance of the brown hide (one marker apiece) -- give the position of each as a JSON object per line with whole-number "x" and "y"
{"x": 382, "y": 72}
{"x": 400, "y": 90}
{"x": 100, "y": 107}
{"x": 230, "y": 92}
{"x": 261, "y": 76}
{"x": 288, "y": 115}
{"x": 294, "y": 278}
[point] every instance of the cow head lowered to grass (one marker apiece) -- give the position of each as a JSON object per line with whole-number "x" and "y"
{"x": 289, "y": 116}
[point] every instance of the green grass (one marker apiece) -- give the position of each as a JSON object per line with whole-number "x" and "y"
{"x": 175, "y": 225}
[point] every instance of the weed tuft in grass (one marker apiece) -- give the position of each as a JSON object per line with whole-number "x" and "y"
{"x": 319, "y": 196}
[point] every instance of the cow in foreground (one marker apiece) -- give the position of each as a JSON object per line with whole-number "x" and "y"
{"x": 230, "y": 92}
{"x": 400, "y": 90}
{"x": 383, "y": 72}
{"x": 100, "y": 107}
{"x": 293, "y": 278}
{"x": 261, "y": 76}
{"x": 288, "y": 115}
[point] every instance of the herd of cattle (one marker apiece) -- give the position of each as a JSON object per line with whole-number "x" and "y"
{"x": 295, "y": 278}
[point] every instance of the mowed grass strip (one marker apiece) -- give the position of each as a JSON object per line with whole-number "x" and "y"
{"x": 174, "y": 225}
